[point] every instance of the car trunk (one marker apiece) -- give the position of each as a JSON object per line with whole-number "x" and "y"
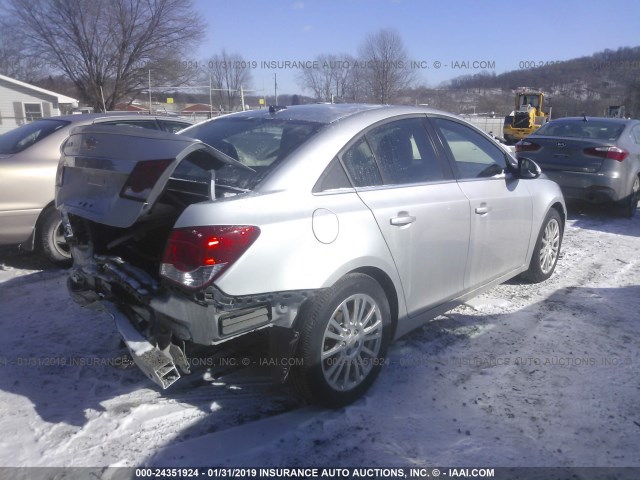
{"x": 566, "y": 154}
{"x": 120, "y": 193}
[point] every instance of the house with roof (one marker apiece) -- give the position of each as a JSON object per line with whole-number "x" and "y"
{"x": 21, "y": 102}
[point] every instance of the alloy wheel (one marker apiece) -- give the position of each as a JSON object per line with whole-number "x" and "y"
{"x": 351, "y": 342}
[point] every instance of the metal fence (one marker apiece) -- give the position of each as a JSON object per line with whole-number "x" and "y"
{"x": 488, "y": 124}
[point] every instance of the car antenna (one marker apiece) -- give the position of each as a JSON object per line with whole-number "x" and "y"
{"x": 584, "y": 117}
{"x": 276, "y": 108}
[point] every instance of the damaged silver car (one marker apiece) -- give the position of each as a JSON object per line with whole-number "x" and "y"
{"x": 334, "y": 228}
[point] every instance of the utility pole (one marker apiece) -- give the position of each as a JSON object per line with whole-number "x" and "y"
{"x": 275, "y": 87}
{"x": 210, "y": 99}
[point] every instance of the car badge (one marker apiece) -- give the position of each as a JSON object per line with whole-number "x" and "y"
{"x": 561, "y": 145}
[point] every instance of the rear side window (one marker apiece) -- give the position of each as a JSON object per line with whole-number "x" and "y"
{"x": 23, "y": 137}
{"x": 333, "y": 178}
{"x": 474, "y": 156}
{"x": 405, "y": 153}
{"x": 361, "y": 165}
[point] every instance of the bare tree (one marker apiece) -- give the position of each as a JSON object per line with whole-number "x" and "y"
{"x": 328, "y": 77}
{"x": 14, "y": 62}
{"x": 229, "y": 73}
{"x": 107, "y": 48}
{"x": 386, "y": 64}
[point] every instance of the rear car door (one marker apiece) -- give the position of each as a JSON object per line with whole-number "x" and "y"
{"x": 500, "y": 204}
{"x": 419, "y": 208}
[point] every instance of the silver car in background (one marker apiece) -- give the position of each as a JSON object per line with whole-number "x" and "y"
{"x": 593, "y": 159}
{"x": 29, "y": 158}
{"x": 336, "y": 227}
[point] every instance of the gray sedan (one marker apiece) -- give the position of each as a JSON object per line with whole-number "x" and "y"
{"x": 334, "y": 228}
{"x": 29, "y": 157}
{"x": 592, "y": 159}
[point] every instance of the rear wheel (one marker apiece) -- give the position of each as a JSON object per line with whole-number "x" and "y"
{"x": 51, "y": 237}
{"x": 344, "y": 339}
{"x": 547, "y": 249}
{"x": 630, "y": 203}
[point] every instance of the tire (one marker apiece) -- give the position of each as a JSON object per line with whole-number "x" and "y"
{"x": 51, "y": 240}
{"x": 547, "y": 249}
{"x": 629, "y": 204}
{"x": 343, "y": 341}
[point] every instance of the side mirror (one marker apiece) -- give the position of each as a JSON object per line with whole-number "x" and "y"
{"x": 528, "y": 169}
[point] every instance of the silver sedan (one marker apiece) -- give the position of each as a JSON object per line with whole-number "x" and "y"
{"x": 337, "y": 228}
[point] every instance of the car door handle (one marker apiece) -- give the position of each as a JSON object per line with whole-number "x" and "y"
{"x": 483, "y": 209}
{"x": 402, "y": 219}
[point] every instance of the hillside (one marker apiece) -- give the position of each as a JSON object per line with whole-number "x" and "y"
{"x": 579, "y": 86}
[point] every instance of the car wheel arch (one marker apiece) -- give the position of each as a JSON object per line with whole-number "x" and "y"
{"x": 561, "y": 211}
{"x": 387, "y": 286}
{"x": 30, "y": 244}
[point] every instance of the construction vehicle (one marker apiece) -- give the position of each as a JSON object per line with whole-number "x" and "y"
{"x": 527, "y": 117}
{"x": 616, "y": 111}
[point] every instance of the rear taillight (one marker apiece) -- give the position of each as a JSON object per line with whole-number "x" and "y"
{"x": 612, "y": 153}
{"x": 526, "y": 146}
{"x": 143, "y": 178}
{"x": 195, "y": 256}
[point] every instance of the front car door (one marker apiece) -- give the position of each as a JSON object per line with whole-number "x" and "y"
{"x": 419, "y": 208}
{"x": 500, "y": 204}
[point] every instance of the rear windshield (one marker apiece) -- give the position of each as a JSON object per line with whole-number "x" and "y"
{"x": 581, "y": 129}
{"x": 18, "y": 139}
{"x": 260, "y": 143}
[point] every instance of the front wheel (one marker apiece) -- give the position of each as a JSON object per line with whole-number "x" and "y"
{"x": 547, "y": 249}
{"x": 344, "y": 338}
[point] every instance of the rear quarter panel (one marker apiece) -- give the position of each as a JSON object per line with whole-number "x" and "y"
{"x": 289, "y": 254}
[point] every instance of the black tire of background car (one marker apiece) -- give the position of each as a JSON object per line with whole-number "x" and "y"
{"x": 629, "y": 204}
{"x": 534, "y": 274}
{"x": 46, "y": 235}
{"x": 308, "y": 377}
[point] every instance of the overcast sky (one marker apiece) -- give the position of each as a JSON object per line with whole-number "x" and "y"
{"x": 470, "y": 35}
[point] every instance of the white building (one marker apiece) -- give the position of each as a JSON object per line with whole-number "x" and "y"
{"x": 21, "y": 103}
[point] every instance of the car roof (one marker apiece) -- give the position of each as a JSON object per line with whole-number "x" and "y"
{"x": 113, "y": 115}
{"x": 327, "y": 112}
{"x": 623, "y": 121}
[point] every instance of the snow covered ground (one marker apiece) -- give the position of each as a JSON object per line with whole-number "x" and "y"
{"x": 542, "y": 375}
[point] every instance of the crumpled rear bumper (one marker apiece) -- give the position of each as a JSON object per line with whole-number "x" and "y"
{"x": 159, "y": 365}
{"x": 155, "y": 322}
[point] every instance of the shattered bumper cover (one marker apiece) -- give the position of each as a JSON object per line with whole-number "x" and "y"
{"x": 155, "y": 321}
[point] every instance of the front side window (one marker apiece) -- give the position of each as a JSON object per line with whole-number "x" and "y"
{"x": 474, "y": 156}
{"x": 32, "y": 111}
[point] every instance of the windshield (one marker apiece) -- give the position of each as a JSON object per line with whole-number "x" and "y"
{"x": 581, "y": 129}
{"x": 259, "y": 143}
{"x": 23, "y": 137}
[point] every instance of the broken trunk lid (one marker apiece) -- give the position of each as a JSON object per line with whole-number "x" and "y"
{"x": 113, "y": 175}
